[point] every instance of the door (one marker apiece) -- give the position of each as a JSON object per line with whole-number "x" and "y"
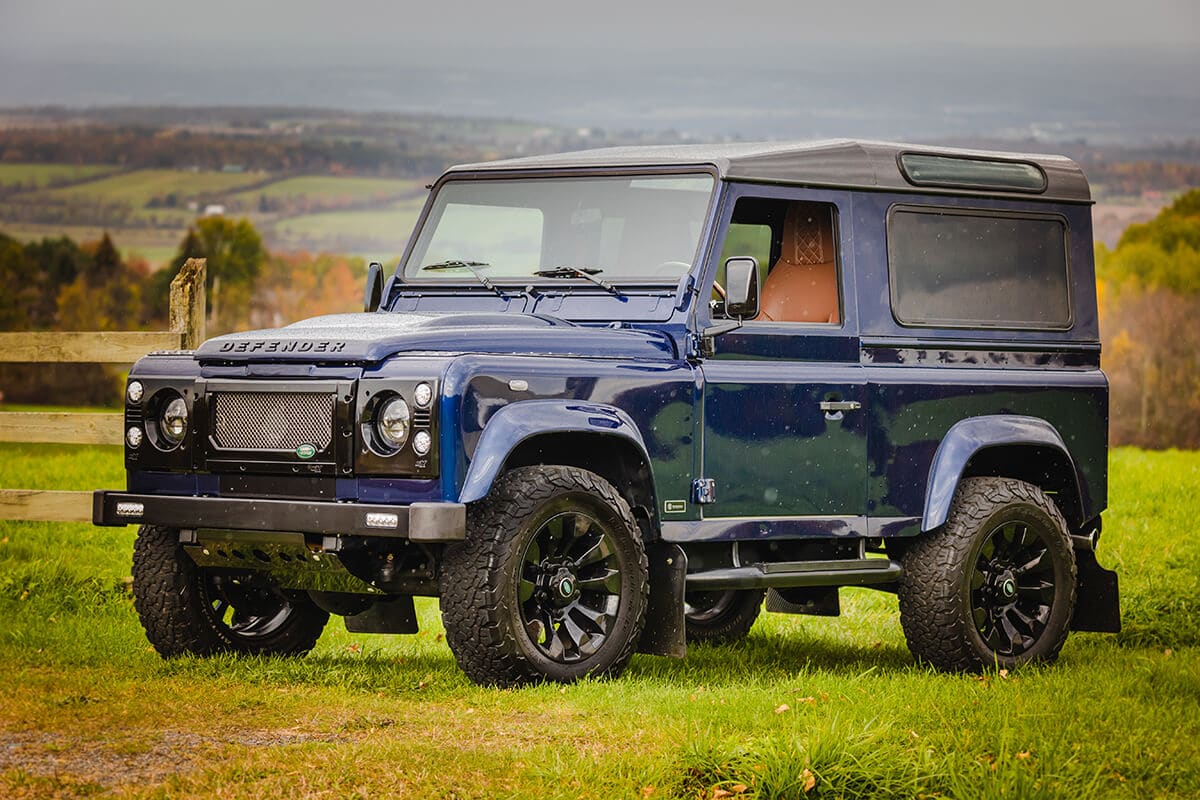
{"x": 784, "y": 397}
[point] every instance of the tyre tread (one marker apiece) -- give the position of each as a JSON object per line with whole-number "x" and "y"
{"x": 934, "y": 567}
{"x": 471, "y": 583}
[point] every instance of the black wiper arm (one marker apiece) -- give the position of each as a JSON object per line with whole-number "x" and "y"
{"x": 474, "y": 267}
{"x": 587, "y": 273}
{"x": 455, "y": 264}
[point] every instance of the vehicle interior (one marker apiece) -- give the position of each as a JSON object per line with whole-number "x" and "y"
{"x": 796, "y": 248}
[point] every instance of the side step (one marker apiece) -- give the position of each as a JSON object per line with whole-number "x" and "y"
{"x": 783, "y": 574}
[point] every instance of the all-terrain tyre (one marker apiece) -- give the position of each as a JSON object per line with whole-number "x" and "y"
{"x": 187, "y": 610}
{"x": 995, "y": 585}
{"x": 551, "y": 582}
{"x": 721, "y": 617}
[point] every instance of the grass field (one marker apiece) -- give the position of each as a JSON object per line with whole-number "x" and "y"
{"x": 394, "y": 221}
{"x": 139, "y": 187}
{"x": 376, "y": 234}
{"x": 806, "y": 707}
{"x": 39, "y": 176}
{"x": 327, "y": 186}
{"x": 382, "y": 218}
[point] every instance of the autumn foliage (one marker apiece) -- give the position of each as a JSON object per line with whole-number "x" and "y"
{"x": 58, "y": 284}
{"x": 1150, "y": 326}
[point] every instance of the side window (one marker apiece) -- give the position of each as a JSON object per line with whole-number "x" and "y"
{"x": 954, "y": 268}
{"x": 795, "y": 243}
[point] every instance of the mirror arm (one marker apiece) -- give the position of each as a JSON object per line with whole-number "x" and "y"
{"x": 724, "y": 326}
{"x": 374, "y": 293}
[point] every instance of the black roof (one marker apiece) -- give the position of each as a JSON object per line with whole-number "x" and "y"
{"x": 835, "y": 162}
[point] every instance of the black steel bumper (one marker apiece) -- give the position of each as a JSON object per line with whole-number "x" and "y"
{"x": 421, "y": 522}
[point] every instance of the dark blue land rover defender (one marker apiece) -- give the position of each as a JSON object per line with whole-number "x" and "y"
{"x": 612, "y": 401}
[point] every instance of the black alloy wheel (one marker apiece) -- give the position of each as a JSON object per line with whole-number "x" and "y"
{"x": 186, "y": 610}
{"x": 551, "y": 583}
{"x": 721, "y": 616}
{"x": 1012, "y": 588}
{"x": 570, "y": 589}
{"x": 247, "y": 613}
{"x": 995, "y": 585}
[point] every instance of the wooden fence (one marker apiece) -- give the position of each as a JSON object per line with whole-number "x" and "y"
{"x": 97, "y": 347}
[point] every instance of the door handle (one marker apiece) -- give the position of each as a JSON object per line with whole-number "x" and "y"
{"x": 839, "y": 405}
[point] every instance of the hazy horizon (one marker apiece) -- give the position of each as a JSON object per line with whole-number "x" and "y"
{"x": 1099, "y": 71}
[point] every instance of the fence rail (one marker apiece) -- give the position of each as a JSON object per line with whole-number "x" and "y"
{"x": 99, "y": 347}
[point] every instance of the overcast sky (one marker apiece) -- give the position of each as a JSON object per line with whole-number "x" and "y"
{"x": 58, "y": 29}
{"x": 1097, "y": 69}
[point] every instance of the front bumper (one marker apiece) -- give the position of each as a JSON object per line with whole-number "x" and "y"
{"x": 420, "y": 522}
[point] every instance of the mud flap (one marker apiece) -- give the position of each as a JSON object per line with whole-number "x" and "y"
{"x": 821, "y": 601}
{"x": 386, "y": 615}
{"x": 664, "y": 633}
{"x": 1097, "y": 597}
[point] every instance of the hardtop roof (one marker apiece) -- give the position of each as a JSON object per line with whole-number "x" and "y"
{"x": 848, "y": 163}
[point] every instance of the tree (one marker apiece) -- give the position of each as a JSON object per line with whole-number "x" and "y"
{"x": 106, "y": 263}
{"x": 57, "y": 262}
{"x": 235, "y": 256}
{"x": 1161, "y": 253}
{"x": 1150, "y": 291}
{"x": 20, "y": 292}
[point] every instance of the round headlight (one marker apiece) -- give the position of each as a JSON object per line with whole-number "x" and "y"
{"x": 393, "y": 420}
{"x": 423, "y": 395}
{"x": 135, "y": 391}
{"x": 134, "y": 436}
{"x": 422, "y": 441}
{"x": 174, "y": 421}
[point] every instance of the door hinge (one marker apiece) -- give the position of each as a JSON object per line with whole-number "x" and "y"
{"x": 704, "y": 491}
{"x": 700, "y": 347}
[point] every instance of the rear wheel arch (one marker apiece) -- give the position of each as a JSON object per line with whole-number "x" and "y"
{"x": 1047, "y": 468}
{"x": 1028, "y": 449}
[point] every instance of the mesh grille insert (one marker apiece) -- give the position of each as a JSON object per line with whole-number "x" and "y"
{"x": 272, "y": 420}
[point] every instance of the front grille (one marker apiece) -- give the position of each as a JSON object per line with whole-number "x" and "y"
{"x": 272, "y": 420}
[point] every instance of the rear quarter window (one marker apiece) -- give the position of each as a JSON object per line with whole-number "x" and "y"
{"x": 957, "y": 268}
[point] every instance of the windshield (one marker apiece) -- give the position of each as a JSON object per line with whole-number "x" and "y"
{"x": 632, "y": 229}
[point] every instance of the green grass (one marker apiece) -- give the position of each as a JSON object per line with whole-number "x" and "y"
{"x": 328, "y": 186}
{"x": 40, "y": 176}
{"x": 87, "y": 708}
{"x": 138, "y": 187}
{"x": 393, "y": 222}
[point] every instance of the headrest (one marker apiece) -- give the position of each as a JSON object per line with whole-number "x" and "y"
{"x": 807, "y": 234}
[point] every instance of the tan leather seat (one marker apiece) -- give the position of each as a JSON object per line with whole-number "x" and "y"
{"x": 802, "y": 286}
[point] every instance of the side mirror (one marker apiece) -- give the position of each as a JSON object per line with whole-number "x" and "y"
{"x": 741, "y": 287}
{"x": 374, "y": 294}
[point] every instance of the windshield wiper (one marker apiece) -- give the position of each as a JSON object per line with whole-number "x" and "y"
{"x": 474, "y": 267}
{"x": 587, "y": 273}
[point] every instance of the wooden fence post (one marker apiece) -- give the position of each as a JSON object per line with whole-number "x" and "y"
{"x": 104, "y": 347}
{"x": 187, "y": 302}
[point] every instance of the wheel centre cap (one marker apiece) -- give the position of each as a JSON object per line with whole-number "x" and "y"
{"x": 1008, "y": 588}
{"x": 562, "y": 586}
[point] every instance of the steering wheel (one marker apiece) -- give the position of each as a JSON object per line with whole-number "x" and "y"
{"x": 719, "y": 289}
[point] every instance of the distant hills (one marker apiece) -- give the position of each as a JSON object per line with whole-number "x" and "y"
{"x": 352, "y": 182}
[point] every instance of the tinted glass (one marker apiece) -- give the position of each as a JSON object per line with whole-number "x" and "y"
{"x": 971, "y": 173}
{"x": 976, "y": 270}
